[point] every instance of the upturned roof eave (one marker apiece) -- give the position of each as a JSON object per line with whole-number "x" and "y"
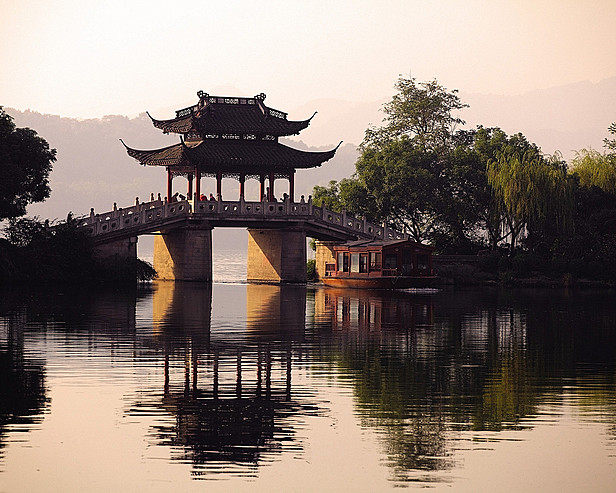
{"x": 181, "y": 155}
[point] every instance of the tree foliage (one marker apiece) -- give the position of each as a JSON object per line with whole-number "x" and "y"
{"x": 421, "y": 111}
{"x": 529, "y": 190}
{"x": 38, "y": 251}
{"x": 328, "y": 196}
{"x": 463, "y": 190}
{"x": 25, "y": 163}
{"x": 595, "y": 169}
{"x": 610, "y": 143}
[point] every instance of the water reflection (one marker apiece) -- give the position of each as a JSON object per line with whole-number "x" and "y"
{"x": 426, "y": 369}
{"x": 230, "y": 378}
{"x": 235, "y": 406}
{"x": 22, "y": 381}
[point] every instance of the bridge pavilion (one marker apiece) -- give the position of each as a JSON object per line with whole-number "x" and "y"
{"x": 231, "y": 137}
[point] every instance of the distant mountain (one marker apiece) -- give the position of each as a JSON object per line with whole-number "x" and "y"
{"x": 93, "y": 169}
{"x": 564, "y": 118}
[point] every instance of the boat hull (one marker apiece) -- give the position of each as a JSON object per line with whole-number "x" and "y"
{"x": 379, "y": 282}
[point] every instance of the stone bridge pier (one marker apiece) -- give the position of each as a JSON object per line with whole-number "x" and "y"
{"x": 124, "y": 248}
{"x": 184, "y": 254}
{"x": 183, "y": 244}
{"x": 276, "y": 256}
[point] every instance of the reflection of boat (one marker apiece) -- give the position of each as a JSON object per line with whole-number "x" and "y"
{"x": 380, "y": 265}
{"x": 371, "y": 310}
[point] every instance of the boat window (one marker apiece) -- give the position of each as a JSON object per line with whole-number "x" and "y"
{"x": 407, "y": 262}
{"x": 391, "y": 261}
{"x": 375, "y": 261}
{"x": 355, "y": 262}
{"x": 340, "y": 261}
{"x": 363, "y": 262}
{"x": 345, "y": 263}
{"x": 422, "y": 262}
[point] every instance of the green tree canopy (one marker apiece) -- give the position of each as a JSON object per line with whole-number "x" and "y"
{"x": 458, "y": 189}
{"x": 422, "y": 111}
{"x": 595, "y": 169}
{"x": 530, "y": 190}
{"x": 25, "y": 163}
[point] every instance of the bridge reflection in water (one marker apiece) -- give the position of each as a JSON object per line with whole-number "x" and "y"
{"x": 233, "y": 404}
{"x": 231, "y": 376}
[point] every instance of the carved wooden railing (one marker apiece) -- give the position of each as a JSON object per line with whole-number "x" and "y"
{"x": 149, "y": 214}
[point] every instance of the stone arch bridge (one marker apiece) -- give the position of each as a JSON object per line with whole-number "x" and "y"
{"x": 183, "y": 241}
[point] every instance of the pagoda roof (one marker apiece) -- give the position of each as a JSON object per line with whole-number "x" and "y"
{"x": 218, "y": 115}
{"x": 231, "y": 155}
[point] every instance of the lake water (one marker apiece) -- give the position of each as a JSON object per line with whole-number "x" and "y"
{"x": 252, "y": 387}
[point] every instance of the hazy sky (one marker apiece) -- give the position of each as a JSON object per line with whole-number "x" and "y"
{"x": 91, "y": 58}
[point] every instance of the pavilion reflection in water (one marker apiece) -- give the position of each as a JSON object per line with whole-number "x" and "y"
{"x": 228, "y": 387}
{"x": 231, "y": 399}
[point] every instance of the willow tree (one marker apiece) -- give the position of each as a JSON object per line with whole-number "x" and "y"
{"x": 595, "y": 169}
{"x": 530, "y": 190}
{"x": 492, "y": 144}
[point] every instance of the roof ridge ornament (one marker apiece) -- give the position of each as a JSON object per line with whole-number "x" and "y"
{"x": 202, "y": 95}
{"x": 260, "y": 96}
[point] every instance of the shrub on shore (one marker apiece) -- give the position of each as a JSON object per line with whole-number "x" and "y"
{"x": 311, "y": 270}
{"x": 35, "y": 251}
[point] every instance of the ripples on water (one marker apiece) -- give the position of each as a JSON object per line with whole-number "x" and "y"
{"x": 307, "y": 388}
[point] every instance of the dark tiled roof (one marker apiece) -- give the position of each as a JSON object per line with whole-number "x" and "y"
{"x": 231, "y": 155}
{"x": 167, "y": 156}
{"x": 180, "y": 125}
{"x": 382, "y": 243}
{"x": 222, "y": 118}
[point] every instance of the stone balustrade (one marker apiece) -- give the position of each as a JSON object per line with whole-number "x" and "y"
{"x": 147, "y": 215}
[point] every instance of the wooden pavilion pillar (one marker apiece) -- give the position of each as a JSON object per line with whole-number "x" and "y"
{"x": 197, "y": 185}
{"x": 261, "y": 187}
{"x": 292, "y": 186}
{"x": 271, "y": 186}
{"x": 169, "y": 185}
{"x": 219, "y": 185}
{"x": 190, "y": 186}
{"x": 242, "y": 182}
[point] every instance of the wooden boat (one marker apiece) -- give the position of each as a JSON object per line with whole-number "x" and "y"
{"x": 377, "y": 264}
